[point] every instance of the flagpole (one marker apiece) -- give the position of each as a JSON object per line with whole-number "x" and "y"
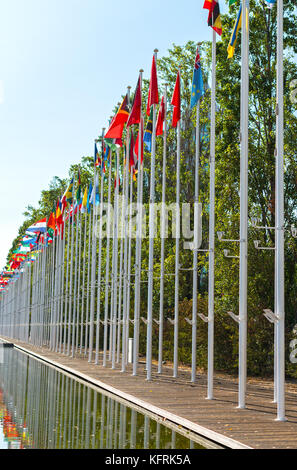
{"x": 243, "y": 255}
{"x": 75, "y": 281}
{"x": 177, "y": 240}
{"x": 84, "y": 280}
{"x": 107, "y": 277}
{"x": 88, "y": 281}
{"x": 93, "y": 268}
{"x": 279, "y": 238}
{"x": 195, "y": 251}
{"x": 125, "y": 222}
{"x": 71, "y": 277}
{"x": 211, "y": 258}
{"x": 100, "y": 257}
{"x": 66, "y": 288}
{"x": 162, "y": 272}
{"x": 138, "y": 246}
{"x": 79, "y": 279}
{"x": 115, "y": 260}
{"x": 129, "y": 267}
{"x": 151, "y": 246}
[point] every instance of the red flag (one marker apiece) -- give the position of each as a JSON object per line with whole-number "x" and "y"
{"x": 176, "y": 102}
{"x": 136, "y": 146}
{"x": 161, "y": 118}
{"x": 116, "y": 127}
{"x": 135, "y": 114}
{"x": 153, "y": 96}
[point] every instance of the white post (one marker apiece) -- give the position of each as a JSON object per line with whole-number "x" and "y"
{"x": 195, "y": 251}
{"x": 162, "y": 271}
{"x": 177, "y": 240}
{"x": 151, "y": 247}
{"x": 243, "y": 255}
{"x": 279, "y": 237}
{"x": 211, "y": 256}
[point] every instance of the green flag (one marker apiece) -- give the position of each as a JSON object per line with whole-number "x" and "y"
{"x": 231, "y": 2}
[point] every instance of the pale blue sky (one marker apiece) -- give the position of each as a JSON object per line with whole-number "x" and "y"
{"x": 63, "y": 66}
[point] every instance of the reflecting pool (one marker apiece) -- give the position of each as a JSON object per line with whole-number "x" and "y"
{"x": 43, "y": 408}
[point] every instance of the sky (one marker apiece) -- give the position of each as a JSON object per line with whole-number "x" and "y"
{"x": 64, "y": 64}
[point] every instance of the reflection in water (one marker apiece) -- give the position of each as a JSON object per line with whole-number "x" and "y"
{"x": 43, "y": 408}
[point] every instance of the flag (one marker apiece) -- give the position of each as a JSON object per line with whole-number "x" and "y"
{"x": 147, "y": 138}
{"x": 153, "y": 96}
{"x": 132, "y": 154}
{"x": 97, "y": 159}
{"x": 233, "y": 39}
{"x": 95, "y": 192}
{"x": 135, "y": 114}
{"x": 78, "y": 191}
{"x": 89, "y": 198}
{"x": 214, "y": 16}
{"x": 84, "y": 201}
{"x": 116, "y": 127}
{"x": 136, "y": 146}
{"x": 197, "y": 83}
{"x": 51, "y": 225}
{"x": 176, "y": 102}
{"x": 68, "y": 196}
{"x": 160, "y": 118}
{"x": 231, "y": 2}
{"x": 59, "y": 214}
{"x": 39, "y": 226}
{"x": 270, "y": 3}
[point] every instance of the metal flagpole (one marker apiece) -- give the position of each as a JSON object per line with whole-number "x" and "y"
{"x": 106, "y": 303}
{"x": 115, "y": 260}
{"x": 129, "y": 266}
{"x": 88, "y": 283}
{"x": 211, "y": 256}
{"x": 71, "y": 279}
{"x": 100, "y": 256}
{"x": 195, "y": 251}
{"x": 75, "y": 281}
{"x": 243, "y": 255}
{"x": 138, "y": 245}
{"x": 66, "y": 287}
{"x": 279, "y": 237}
{"x": 151, "y": 247}
{"x": 120, "y": 305}
{"x": 176, "y": 290}
{"x": 125, "y": 234}
{"x": 93, "y": 269}
{"x": 79, "y": 281}
{"x": 162, "y": 273}
{"x": 84, "y": 280}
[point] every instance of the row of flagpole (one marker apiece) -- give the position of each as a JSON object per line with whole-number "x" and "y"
{"x": 69, "y": 320}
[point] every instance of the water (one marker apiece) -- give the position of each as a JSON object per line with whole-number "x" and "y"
{"x": 42, "y": 408}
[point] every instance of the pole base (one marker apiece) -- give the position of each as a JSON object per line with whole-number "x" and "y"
{"x": 209, "y": 398}
{"x": 281, "y": 419}
{"x": 241, "y": 407}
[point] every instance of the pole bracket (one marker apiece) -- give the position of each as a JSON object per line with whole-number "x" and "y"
{"x": 234, "y": 317}
{"x": 270, "y": 316}
{"x": 144, "y": 320}
{"x": 203, "y": 317}
{"x": 171, "y": 321}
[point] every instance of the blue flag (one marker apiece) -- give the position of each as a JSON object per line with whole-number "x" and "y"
{"x": 197, "y": 84}
{"x": 89, "y": 197}
{"x": 147, "y": 138}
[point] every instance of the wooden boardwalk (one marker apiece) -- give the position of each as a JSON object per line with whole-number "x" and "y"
{"x": 253, "y": 427}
